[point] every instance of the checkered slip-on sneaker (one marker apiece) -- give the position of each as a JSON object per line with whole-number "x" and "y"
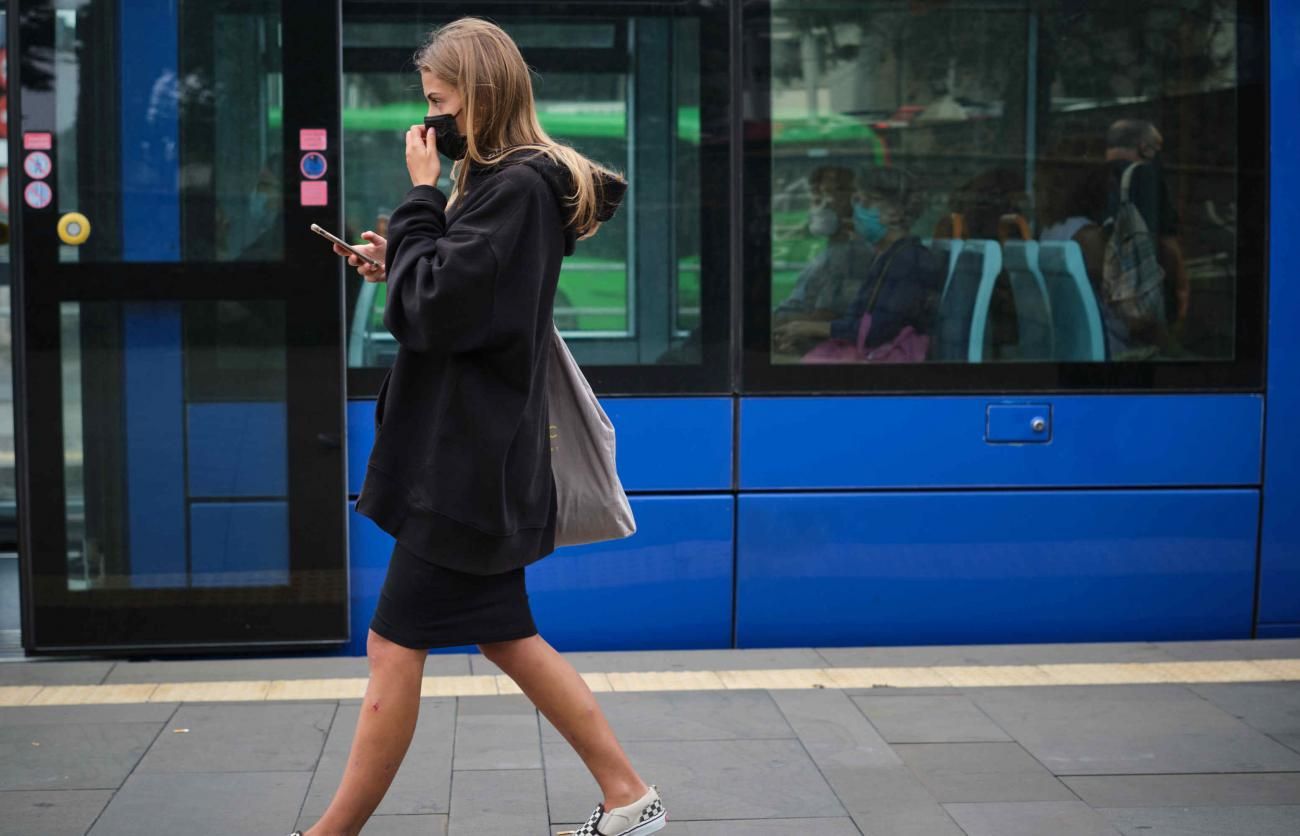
{"x": 645, "y": 815}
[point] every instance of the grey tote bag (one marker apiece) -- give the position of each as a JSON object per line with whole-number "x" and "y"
{"x": 590, "y": 498}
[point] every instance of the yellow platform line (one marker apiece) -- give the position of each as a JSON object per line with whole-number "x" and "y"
{"x": 938, "y": 676}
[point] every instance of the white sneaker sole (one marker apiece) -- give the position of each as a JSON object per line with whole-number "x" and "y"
{"x": 650, "y": 826}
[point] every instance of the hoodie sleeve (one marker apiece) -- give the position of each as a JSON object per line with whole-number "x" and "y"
{"x": 442, "y": 279}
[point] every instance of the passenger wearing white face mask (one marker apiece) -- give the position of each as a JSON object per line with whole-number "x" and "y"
{"x": 827, "y": 286}
{"x": 899, "y": 280}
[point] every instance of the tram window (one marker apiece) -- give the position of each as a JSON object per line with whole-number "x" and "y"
{"x": 195, "y": 172}
{"x": 628, "y": 296}
{"x": 945, "y": 188}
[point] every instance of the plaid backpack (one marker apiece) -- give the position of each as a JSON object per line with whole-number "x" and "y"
{"x": 1132, "y": 282}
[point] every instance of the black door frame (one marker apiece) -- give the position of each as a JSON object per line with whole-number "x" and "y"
{"x": 312, "y": 610}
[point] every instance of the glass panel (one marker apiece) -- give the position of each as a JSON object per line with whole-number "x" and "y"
{"x": 175, "y": 449}
{"x": 8, "y": 491}
{"x": 527, "y": 34}
{"x": 947, "y": 182}
{"x": 174, "y": 155}
{"x": 631, "y": 294}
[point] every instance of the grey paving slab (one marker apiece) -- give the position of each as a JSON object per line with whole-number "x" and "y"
{"x": 993, "y": 654}
{"x": 392, "y": 825}
{"x": 506, "y": 802}
{"x": 407, "y": 826}
{"x": 54, "y": 673}
{"x": 1030, "y": 818}
{"x": 890, "y": 801}
{"x": 1205, "y": 821}
{"x": 223, "y": 670}
{"x": 981, "y": 772}
{"x": 688, "y": 715}
{"x": 502, "y": 704}
{"x": 678, "y": 660}
{"x": 1185, "y": 790}
{"x": 40, "y": 715}
{"x": 72, "y": 755}
{"x": 1270, "y": 707}
{"x": 423, "y": 783}
{"x": 843, "y": 826}
{"x": 497, "y": 741}
{"x": 1089, "y": 730}
{"x": 242, "y": 737}
{"x": 204, "y": 804}
{"x": 1291, "y": 741}
{"x": 702, "y": 780}
{"x": 949, "y": 718}
{"x": 51, "y": 812}
{"x": 1234, "y": 649}
{"x": 833, "y": 730}
{"x": 907, "y": 821}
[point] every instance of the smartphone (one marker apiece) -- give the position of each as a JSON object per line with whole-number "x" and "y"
{"x": 329, "y": 236}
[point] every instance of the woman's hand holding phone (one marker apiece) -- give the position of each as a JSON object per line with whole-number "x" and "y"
{"x": 375, "y": 247}
{"x": 422, "y": 156}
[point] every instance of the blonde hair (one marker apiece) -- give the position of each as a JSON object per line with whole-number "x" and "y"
{"x": 482, "y": 62}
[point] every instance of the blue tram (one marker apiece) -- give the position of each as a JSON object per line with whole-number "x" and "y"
{"x": 976, "y": 442}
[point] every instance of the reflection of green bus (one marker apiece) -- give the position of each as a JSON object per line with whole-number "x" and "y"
{"x": 594, "y": 285}
{"x": 608, "y": 120}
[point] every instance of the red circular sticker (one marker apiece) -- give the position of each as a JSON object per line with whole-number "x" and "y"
{"x": 38, "y": 194}
{"x": 37, "y": 165}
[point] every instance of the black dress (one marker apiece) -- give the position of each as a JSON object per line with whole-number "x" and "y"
{"x": 460, "y": 473}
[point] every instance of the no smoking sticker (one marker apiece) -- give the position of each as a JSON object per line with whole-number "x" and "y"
{"x": 38, "y": 194}
{"x": 37, "y": 165}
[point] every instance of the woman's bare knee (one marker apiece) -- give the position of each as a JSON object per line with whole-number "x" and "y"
{"x": 385, "y": 653}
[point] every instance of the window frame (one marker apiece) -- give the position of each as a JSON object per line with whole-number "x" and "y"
{"x": 712, "y": 374}
{"x": 1244, "y": 373}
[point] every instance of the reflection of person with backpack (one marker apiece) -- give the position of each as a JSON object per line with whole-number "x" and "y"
{"x": 1144, "y": 281}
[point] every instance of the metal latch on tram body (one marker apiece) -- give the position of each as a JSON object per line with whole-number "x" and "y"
{"x": 1018, "y": 424}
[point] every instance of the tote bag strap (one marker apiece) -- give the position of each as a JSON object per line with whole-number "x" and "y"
{"x": 864, "y": 324}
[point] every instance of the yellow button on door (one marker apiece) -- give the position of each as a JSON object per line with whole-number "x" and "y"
{"x": 74, "y": 228}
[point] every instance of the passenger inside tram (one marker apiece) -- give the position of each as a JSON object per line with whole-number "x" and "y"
{"x": 1136, "y": 144}
{"x": 1071, "y": 199}
{"x": 829, "y": 283}
{"x": 898, "y": 296}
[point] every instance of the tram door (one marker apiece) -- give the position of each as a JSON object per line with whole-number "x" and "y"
{"x": 180, "y": 396}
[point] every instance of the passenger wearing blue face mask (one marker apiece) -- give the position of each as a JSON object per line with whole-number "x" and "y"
{"x": 827, "y": 285}
{"x": 261, "y": 226}
{"x": 901, "y": 286}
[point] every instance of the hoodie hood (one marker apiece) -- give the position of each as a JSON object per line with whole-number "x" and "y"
{"x": 610, "y": 190}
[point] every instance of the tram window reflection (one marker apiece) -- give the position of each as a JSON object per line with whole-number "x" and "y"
{"x": 624, "y": 92}
{"x": 1018, "y": 128}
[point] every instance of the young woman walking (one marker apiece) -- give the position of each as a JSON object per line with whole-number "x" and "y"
{"x": 460, "y": 473}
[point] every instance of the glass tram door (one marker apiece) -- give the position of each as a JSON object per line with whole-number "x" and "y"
{"x": 180, "y": 369}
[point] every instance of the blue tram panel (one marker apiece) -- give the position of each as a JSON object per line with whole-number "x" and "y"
{"x": 584, "y": 597}
{"x": 1279, "y": 588}
{"x": 945, "y": 442}
{"x": 664, "y": 444}
{"x": 992, "y": 567}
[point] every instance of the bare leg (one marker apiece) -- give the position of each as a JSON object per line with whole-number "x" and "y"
{"x": 563, "y": 697}
{"x": 384, "y": 732}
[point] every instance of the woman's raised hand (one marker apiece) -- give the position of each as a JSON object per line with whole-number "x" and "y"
{"x": 376, "y": 248}
{"x": 422, "y": 156}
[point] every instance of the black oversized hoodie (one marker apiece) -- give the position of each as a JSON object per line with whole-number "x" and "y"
{"x": 460, "y": 472}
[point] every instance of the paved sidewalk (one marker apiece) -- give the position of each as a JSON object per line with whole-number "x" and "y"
{"x": 1176, "y": 738}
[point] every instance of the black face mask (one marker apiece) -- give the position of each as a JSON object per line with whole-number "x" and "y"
{"x": 451, "y": 143}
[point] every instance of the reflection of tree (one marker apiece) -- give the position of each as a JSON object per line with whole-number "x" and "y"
{"x": 36, "y": 59}
{"x": 1143, "y": 50}
{"x": 1090, "y": 50}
